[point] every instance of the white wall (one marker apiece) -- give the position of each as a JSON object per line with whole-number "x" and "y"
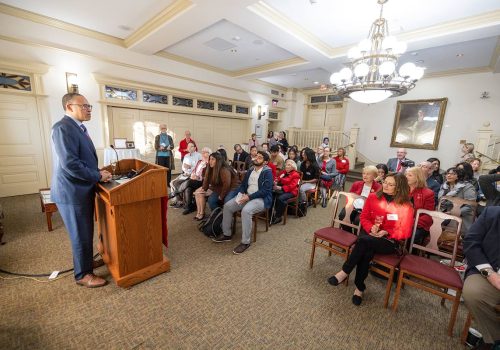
{"x": 465, "y": 113}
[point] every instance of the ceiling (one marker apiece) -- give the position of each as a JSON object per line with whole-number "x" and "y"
{"x": 295, "y": 44}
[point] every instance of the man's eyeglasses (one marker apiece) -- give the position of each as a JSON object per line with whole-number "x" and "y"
{"x": 86, "y": 107}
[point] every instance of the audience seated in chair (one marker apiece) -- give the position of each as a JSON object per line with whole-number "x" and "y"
{"x": 310, "y": 173}
{"x": 437, "y": 174}
{"x": 382, "y": 171}
{"x": 400, "y": 163}
{"x": 422, "y": 198}
{"x": 239, "y": 153}
{"x": 386, "y": 221}
{"x": 276, "y": 159}
{"x": 178, "y": 185}
{"x": 286, "y": 187}
{"x": 490, "y": 185}
{"x": 195, "y": 181}
{"x": 254, "y": 196}
{"x": 342, "y": 165}
{"x": 219, "y": 180}
{"x": 328, "y": 171}
{"x": 432, "y": 184}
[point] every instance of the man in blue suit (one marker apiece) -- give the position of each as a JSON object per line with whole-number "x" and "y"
{"x": 73, "y": 184}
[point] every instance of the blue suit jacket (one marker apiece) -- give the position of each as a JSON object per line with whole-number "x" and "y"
{"x": 482, "y": 242}
{"x": 75, "y": 164}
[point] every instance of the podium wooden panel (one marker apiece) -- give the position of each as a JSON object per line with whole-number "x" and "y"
{"x": 129, "y": 223}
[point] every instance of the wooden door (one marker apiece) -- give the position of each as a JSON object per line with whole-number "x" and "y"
{"x": 22, "y": 162}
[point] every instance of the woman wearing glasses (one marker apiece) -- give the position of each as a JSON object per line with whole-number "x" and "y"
{"x": 386, "y": 221}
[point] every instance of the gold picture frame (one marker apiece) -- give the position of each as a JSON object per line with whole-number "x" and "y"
{"x": 418, "y": 123}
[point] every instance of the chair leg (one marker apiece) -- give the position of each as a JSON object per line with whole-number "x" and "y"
{"x": 445, "y": 290}
{"x": 329, "y": 252}
{"x": 454, "y": 311}
{"x": 267, "y": 221}
{"x": 388, "y": 287}
{"x": 48, "y": 214}
{"x": 254, "y": 229}
{"x": 398, "y": 290}
{"x": 285, "y": 214}
{"x": 465, "y": 331}
{"x": 313, "y": 251}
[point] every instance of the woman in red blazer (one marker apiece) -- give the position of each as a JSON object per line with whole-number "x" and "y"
{"x": 422, "y": 198}
{"x": 286, "y": 187}
{"x": 370, "y": 172}
{"x": 386, "y": 220}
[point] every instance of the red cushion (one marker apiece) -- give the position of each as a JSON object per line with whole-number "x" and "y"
{"x": 431, "y": 269}
{"x": 336, "y": 235}
{"x": 388, "y": 259}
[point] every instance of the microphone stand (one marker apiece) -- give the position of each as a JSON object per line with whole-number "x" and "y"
{"x": 115, "y": 177}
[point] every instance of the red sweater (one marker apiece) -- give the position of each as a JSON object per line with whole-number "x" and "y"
{"x": 289, "y": 181}
{"x": 273, "y": 170}
{"x": 183, "y": 145}
{"x": 398, "y": 219}
{"x": 342, "y": 165}
{"x": 423, "y": 198}
{"x": 357, "y": 187}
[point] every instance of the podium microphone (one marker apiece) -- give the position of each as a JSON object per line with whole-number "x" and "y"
{"x": 117, "y": 161}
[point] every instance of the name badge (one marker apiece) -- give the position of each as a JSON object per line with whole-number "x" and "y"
{"x": 344, "y": 161}
{"x": 392, "y": 217}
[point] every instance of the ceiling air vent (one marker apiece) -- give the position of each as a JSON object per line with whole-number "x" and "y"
{"x": 219, "y": 44}
{"x": 275, "y": 92}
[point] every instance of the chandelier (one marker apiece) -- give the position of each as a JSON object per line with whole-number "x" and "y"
{"x": 373, "y": 77}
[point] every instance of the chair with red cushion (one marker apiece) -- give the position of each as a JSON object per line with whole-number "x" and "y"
{"x": 386, "y": 265}
{"x": 333, "y": 238}
{"x": 429, "y": 274}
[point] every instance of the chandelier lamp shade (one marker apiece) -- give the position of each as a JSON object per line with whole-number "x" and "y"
{"x": 372, "y": 75}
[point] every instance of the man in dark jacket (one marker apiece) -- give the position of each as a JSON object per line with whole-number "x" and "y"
{"x": 255, "y": 194}
{"x": 489, "y": 188}
{"x": 239, "y": 154}
{"x": 481, "y": 289}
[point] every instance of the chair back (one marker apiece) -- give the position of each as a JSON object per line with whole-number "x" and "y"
{"x": 240, "y": 168}
{"x": 348, "y": 198}
{"x": 457, "y": 204}
{"x": 435, "y": 232}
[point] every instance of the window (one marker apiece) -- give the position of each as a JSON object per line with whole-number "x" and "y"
{"x": 335, "y": 98}
{"x": 242, "y": 110}
{"x": 206, "y": 105}
{"x": 222, "y": 107}
{"x": 318, "y": 99}
{"x": 14, "y": 81}
{"x": 154, "y": 98}
{"x": 183, "y": 102}
{"x": 273, "y": 115}
{"x": 121, "y": 94}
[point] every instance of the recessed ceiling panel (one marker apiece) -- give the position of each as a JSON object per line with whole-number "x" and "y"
{"x": 300, "y": 79}
{"x": 116, "y": 18}
{"x": 339, "y": 23}
{"x": 227, "y": 46}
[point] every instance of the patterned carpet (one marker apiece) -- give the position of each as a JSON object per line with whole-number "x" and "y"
{"x": 266, "y": 298}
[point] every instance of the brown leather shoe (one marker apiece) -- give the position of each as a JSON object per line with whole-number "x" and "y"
{"x": 92, "y": 281}
{"x": 97, "y": 263}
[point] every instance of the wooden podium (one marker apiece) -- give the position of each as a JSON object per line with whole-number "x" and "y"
{"x": 129, "y": 223}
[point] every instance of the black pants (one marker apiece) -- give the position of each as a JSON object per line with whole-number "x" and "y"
{"x": 363, "y": 253}
{"x": 165, "y": 162}
{"x": 281, "y": 203}
{"x": 420, "y": 235}
{"x": 192, "y": 185}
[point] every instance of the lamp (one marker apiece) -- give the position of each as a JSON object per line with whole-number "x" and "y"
{"x": 72, "y": 82}
{"x": 372, "y": 75}
{"x": 260, "y": 114}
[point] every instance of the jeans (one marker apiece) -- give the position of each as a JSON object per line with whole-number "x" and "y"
{"x": 248, "y": 209}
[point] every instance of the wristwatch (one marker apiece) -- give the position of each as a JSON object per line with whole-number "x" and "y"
{"x": 487, "y": 272}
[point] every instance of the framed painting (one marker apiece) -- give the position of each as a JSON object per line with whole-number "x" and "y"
{"x": 418, "y": 123}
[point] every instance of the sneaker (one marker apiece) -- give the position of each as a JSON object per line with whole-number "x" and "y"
{"x": 241, "y": 248}
{"x": 276, "y": 220}
{"x": 221, "y": 238}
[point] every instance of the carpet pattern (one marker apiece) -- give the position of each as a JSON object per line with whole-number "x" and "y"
{"x": 266, "y": 298}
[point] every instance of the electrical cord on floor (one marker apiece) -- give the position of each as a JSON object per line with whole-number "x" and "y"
{"x": 36, "y": 279}
{"x": 33, "y": 276}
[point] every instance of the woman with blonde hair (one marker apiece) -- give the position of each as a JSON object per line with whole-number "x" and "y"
{"x": 422, "y": 198}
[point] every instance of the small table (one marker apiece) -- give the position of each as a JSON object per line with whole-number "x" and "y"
{"x": 48, "y": 207}
{"x": 110, "y": 155}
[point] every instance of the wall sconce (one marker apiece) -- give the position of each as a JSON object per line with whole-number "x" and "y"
{"x": 72, "y": 83}
{"x": 260, "y": 113}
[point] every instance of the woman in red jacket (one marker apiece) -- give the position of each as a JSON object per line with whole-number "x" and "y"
{"x": 342, "y": 164}
{"x": 422, "y": 198}
{"x": 285, "y": 187}
{"x": 386, "y": 220}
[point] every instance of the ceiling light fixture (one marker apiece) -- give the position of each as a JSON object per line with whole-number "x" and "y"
{"x": 373, "y": 77}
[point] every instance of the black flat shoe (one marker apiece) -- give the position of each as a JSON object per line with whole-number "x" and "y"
{"x": 334, "y": 281}
{"x": 356, "y": 300}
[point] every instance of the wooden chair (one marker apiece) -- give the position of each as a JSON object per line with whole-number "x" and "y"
{"x": 294, "y": 201}
{"x": 241, "y": 169}
{"x": 420, "y": 272}
{"x": 48, "y": 207}
{"x": 455, "y": 211}
{"x": 313, "y": 193}
{"x": 465, "y": 330}
{"x": 264, "y": 216}
{"x": 335, "y": 239}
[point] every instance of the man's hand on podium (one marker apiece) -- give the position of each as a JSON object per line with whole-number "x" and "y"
{"x": 105, "y": 176}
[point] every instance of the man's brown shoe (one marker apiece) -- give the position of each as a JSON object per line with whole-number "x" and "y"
{"x": 92, "y": 281}
{"x": 97, "y": 263}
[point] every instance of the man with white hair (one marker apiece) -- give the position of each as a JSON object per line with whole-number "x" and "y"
{"x": 400, "y": 163}
{"x": 431, "y": 183}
